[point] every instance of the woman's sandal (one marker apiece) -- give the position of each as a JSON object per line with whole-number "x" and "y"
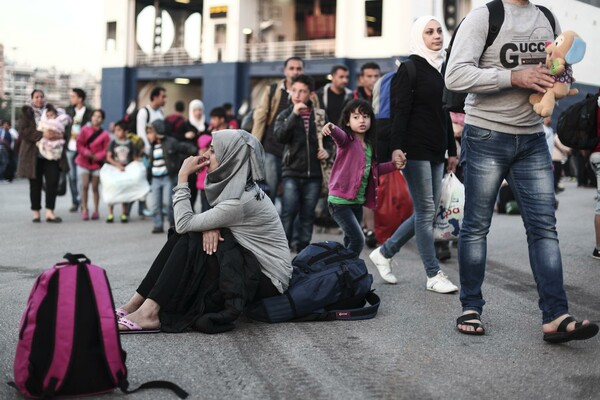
{"x": 581, "y": 332}
{"x": 467, "y": 317}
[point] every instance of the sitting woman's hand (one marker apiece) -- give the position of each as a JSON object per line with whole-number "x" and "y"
{"x": 210, "y": 240}
{"x": 192, "y": 165}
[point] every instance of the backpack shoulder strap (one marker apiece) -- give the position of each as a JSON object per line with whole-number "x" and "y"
{"x": 412, "y": 73}
{"x": 179, "y": 392}
{"x": 549, "y": 16}
{"x": 496, "y": 19}
{"x": 65, "y": 328}
{"x": 272, "y": 90}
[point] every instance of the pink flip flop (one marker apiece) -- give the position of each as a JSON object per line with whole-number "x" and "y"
{"x": 134, "y": 327}
{"x": 120, "y": 312}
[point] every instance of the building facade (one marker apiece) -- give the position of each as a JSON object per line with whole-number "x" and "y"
{"x": 18, "y": 81}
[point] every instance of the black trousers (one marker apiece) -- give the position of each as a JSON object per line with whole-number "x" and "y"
{"x": 49, "y": 171}
{"x": 164, "y": 275}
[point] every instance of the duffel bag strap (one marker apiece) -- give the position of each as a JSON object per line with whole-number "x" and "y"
{"x": 354, "y": 314}
{"x": 348, "y": 314}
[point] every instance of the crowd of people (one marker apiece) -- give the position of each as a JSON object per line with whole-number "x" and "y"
{"x": 302, "y": 137}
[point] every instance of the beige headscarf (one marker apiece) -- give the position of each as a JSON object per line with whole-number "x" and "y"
{"x": 417, "y": 44}
{"x": 241, "y": 159}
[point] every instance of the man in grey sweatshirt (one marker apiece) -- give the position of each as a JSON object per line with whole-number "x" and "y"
{"x": 503, "y": 138}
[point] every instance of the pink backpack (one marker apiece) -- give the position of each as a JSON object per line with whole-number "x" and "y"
{"x": 69, "y": 343}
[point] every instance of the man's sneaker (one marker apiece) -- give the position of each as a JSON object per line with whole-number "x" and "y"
{"x": 596, "y": 254}
{"x": 157, "y": 230}
{"x": 384, "y": 266}
{"x": 441, "y": 284}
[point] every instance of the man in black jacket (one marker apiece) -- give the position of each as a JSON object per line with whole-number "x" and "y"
{"x": 296, "y": 128}
{"x": 81, "y": 115}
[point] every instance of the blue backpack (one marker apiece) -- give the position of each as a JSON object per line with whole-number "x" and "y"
{"x": 328, "y": 283}
{"x": 382, "y": 107}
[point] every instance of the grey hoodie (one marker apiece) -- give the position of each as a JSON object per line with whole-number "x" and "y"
{"x": 492, "y": 102}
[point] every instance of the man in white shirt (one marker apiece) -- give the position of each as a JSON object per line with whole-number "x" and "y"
{"x": 150, "y": 113}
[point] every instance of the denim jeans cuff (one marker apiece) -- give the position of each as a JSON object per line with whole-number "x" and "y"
{"x": 551, "y": 316}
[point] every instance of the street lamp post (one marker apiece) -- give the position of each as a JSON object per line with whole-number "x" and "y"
{"x": 12, "y": 91}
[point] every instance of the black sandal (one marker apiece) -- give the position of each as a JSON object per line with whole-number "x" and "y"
{"x": 581, "y": 332}
{"x": 467, "y": 317}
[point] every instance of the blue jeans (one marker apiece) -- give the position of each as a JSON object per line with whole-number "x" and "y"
{"x": 424, "y": 179}
{"x": 272, "y": 173}
{"x": 73, "y": 178}
{"x": 162, "y": 190}
{"x": 300, "y": 196}
{"x": 349, "y": 217}
{"x": 524, "y": 161}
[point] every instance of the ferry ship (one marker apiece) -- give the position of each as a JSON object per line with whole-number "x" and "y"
{"x": 227, "y": 51}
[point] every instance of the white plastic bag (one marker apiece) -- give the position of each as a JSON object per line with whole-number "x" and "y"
{"x": 449, "y": 216}
{"x": 124, "y": 186}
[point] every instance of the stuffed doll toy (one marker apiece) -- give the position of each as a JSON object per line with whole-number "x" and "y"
{"x": 567, "y": 49}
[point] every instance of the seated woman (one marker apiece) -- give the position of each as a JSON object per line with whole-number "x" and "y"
{"x": 195, "y": 282}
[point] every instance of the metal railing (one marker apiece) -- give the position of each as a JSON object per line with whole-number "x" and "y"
{"x": 307, "y": 49}
{"x": 175, "y": 56}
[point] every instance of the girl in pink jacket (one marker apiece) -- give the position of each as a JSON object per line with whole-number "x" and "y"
{"x": 92, "y": 143}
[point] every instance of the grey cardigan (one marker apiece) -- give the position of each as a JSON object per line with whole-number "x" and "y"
{"x": 254, "y": 223}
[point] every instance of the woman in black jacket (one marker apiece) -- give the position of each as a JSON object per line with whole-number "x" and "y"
{"x": 421, "y": 133}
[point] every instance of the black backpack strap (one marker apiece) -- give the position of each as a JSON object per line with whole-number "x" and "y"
{"x": 412, "y": 73}
{"x": 496, "y": 19}
{"x": 93, "y": 137}
{"x": 179, "y": 392}
{"x": 550, "y": 18}
{"x": 272, "y": 90}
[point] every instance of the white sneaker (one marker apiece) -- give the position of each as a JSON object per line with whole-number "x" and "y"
{"x": 441, "y": 284}
{"x": 384, "y": 266}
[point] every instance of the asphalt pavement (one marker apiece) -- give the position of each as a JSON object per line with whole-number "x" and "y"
{"x": 411, "y": 350}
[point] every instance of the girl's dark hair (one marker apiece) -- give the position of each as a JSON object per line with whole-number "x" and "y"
{"x": 123, "y": 125}
{"x": 50, "y": 107}
{"x": 101, "y": 111}
{"x": 362, "y": 107}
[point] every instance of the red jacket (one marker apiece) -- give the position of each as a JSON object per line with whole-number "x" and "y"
{"x": 97, "y": 148}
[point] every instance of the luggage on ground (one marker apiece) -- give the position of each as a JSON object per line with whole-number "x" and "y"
{"x": 69, "y": 343}
{"x": 328, "y": 283}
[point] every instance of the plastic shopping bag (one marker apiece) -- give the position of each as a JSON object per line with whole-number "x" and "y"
{"x": 124, "y": 186}
{"x": 449, "y": 216}
{"x": 394, "y": 205}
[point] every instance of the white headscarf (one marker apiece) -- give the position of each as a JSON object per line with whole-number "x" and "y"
{"x": 417, "y": 44}
{"x": 197, "y": 123}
